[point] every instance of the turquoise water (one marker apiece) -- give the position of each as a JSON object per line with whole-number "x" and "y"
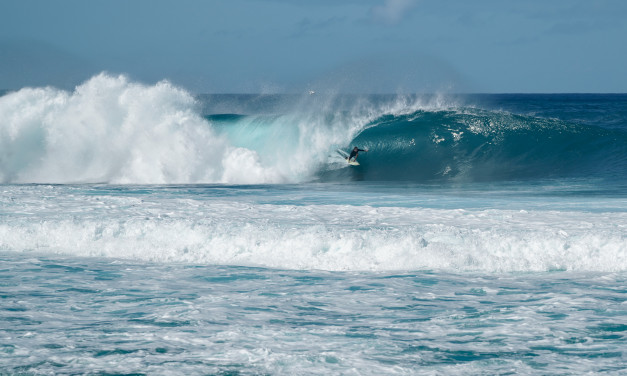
{"x": 70, "y": 315}
{"x": 147, "y": 231}
{"x": 310, "y": 279}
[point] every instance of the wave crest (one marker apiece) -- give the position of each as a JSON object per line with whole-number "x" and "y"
{"x": 112, "y": 130}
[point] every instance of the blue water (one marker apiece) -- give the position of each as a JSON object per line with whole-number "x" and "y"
{"x": 144, "y": 230}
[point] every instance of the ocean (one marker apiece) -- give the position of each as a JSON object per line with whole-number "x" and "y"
{"x": 145, "y": 230}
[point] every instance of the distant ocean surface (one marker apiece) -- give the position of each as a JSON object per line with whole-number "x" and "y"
{"x": 146, "y": 230}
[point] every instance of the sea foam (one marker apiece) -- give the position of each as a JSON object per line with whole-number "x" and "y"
{"x": 215, "y": 231}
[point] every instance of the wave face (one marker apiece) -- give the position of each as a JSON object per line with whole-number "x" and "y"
{"x": 112, "y": 130}
{"x": 472, "y": 144}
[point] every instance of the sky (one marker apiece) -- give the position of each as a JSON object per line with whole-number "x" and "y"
{"x": 285, "y": 46}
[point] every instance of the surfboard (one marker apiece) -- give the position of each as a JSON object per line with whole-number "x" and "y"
{"x": 345, "y": 156}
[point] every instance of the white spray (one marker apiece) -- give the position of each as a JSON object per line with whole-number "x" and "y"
{"x": 114, "y": 131}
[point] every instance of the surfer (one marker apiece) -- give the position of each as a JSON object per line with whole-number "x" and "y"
{"x": 355, "y": 152}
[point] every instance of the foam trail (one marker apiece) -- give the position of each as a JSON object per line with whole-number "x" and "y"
{"x": 214, "y": 231}
{"x": 439, "y": 246}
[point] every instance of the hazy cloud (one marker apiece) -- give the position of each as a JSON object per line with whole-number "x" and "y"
{"x": 307, "y": 26}
{"x": 392, "y": 11}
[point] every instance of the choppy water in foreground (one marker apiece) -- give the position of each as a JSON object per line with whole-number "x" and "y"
{"x": 312, "y": 279}
{"x": 68, "y": 315}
